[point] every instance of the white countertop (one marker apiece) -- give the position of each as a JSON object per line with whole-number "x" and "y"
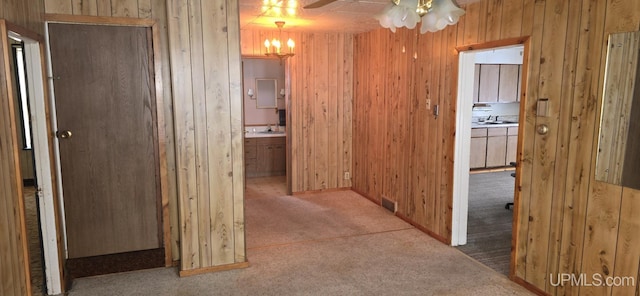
{"x": 251, "y": 135}
{"x": 491, "y": 125}
{"x": 259, "y": 131}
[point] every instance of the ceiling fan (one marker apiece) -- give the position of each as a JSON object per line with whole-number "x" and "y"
{"x": 321, "y": 3}
{"x": 318, "y": 4}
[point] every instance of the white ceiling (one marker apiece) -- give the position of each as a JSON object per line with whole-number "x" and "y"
{"x": 352, "y": 16}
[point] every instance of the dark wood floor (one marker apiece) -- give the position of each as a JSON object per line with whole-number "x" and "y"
{"x": 490, "y": 224}
{"x": 34, "y": 240}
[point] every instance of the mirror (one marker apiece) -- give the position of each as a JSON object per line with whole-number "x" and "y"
{"x": 266, "y": 93}
{"x": 619, "y": 138}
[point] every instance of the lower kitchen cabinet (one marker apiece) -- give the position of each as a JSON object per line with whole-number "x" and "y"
{"x": 496, "y": 147}
{"x": 478, "y": 156}
{"x": 265, "y": 157}
{"x": 493, "y": 147}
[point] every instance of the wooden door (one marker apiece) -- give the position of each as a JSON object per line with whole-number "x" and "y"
{"x": 104, "y": 90}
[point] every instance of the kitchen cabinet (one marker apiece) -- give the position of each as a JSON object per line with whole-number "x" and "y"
{"x": 493, "y": 147}
{"x": 489, "y": 78}
{"x": 265, "y": 156}
{"x": 508, "y": 84}
{"x": 497, "y": 83}
{"x": 496, "y": 147}
{"x": 478, "y": 155}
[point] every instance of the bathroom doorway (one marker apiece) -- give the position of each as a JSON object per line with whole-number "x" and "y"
{"x": 265, "y": 100}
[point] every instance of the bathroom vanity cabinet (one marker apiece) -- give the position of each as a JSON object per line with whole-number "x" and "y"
{"x": 265, "y": 156}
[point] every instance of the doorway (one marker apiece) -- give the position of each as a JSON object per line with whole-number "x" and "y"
{"x": 27, "y": 164}
{"x": 26, "y": 88}
{"x": 265, "y": 96}
{"x": 490, "y": 90}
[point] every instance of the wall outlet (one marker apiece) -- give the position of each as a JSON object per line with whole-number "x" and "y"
{"x": 347, "y": 175}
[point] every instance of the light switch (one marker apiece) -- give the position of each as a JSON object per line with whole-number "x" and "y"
{"x": 542, "y": 110}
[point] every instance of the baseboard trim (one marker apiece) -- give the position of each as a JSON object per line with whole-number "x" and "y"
{"x": 528, "y": 286}
{"x": 190, "y": 272}
{"x": 371, "y": 199}
{"x": 406, "y": 219}
{"x": 424, "y": 229}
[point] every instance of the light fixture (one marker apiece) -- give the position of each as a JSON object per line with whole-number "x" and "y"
{"x": 435, "y": 15}
{"x": 274, "y": 46}
{"x": 250, "y": 93}
{"x": 282, "y": 93}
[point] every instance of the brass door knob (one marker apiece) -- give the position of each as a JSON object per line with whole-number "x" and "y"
{"x": 543, "y": 129}
{"x": 64, "y": 134}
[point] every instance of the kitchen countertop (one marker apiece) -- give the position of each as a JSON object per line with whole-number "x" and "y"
{"x": 490, "y": 125}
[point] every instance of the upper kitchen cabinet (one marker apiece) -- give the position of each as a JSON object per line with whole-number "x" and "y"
{"x": 509, "y": 83}
{"x": 497, "y": 83}
{"x": 497, "y": 76}
{"x": 489, "y": 78}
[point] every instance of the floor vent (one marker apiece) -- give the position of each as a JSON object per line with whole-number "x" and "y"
{"x": 390, "y": 205}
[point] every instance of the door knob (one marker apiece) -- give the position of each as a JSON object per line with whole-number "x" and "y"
{"x": 63, "y": 134}
{"x": 543, "y": 129}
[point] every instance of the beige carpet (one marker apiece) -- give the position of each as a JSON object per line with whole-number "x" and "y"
{"x": 322, "y": 244}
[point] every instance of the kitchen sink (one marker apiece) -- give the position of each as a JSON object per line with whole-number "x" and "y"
{"x": 498, "y": 122}
{"x": 271, "y": 132}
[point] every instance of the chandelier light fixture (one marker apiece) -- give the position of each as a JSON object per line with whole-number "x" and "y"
{"x": 274, "y": 47}
{"x": 435, "y": 15}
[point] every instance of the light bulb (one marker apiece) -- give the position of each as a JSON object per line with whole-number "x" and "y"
{"x": 291, "y": 44}
{"x": 267, "y": 44}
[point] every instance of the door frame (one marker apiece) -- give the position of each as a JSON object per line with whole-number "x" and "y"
{"x": 463, "y": 135}
{"x": 34, "y": 53}
{"x": 286, "y": 65}
{"x": 159, "y": 100}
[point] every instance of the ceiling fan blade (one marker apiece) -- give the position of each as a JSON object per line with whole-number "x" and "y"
{"x": 318, "y": 4}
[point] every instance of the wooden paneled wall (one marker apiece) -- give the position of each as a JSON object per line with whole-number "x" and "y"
{"x": 156, "y": 10}
{"x": 24, "y": 13}
{"x": 206, "y": 79}
{"x": 567, "y": 221}
{"x": 401, "y": 150}
{"x": 14, "y": 271}
{"x": 320, "y": 104}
